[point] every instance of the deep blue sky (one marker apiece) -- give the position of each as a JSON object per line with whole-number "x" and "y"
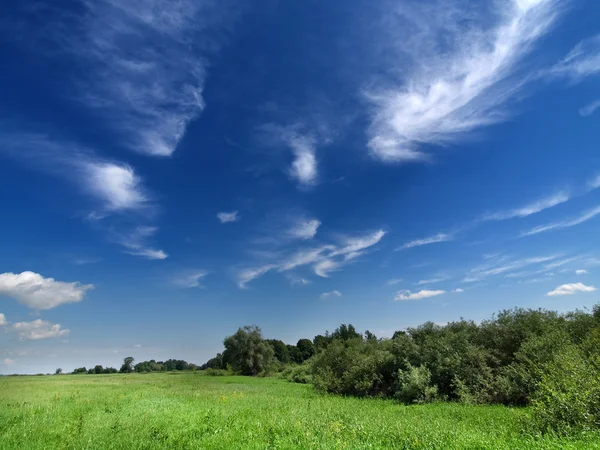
{"x": 171, "y": 170}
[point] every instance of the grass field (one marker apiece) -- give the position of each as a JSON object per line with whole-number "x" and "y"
{"x": 186, "y": 410}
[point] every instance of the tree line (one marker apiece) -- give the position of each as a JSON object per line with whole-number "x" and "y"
{"x": 128, "y": 366}
{"x": 519, "y": 357}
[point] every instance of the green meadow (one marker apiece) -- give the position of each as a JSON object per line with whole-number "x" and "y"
{"x": 195, "y": 411}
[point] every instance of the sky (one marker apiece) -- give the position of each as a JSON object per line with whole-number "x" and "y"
{"x": 171, "y": 170}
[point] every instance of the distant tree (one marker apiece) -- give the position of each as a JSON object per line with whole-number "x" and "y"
{"x": 58, "y": 371}
{"x": 91, "y": 372}
{"x": 247, "y": 351}
{"x": 370, "y": 336}
{"x": 321, "y": 342}
{"x": 80, "y": 370}
{"x": 305, "y": 350}
{"x": 127, "y": 365}
{"x": 345, "y": 333}
{"x": 281, "y": 351}
{"x": 98, "y": 369}
{"x": 110, "y": 370}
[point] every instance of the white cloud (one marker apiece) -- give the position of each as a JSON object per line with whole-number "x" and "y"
{"x": 407, "y": 295}
{"x": 190, "y": 279}
{"x": 458, "y": 291}
{"x": 37, "y": 292}
{"x": 228, "y": 217}
{"x": 581, "y": 272}
{"x": 581, "y": 62}
{"x": 304, "y": 166}
{"x": 432, "y": 281}
{"x": 144, "y": 64}
{"x": 117, "y": 185}
{"x": 503, "y": 264}
{"x": 440, "y": 237}
{"x": 305, "y": 229}
{"x": 331, "y": 294}
{"x": 324, "y": 259}
{"x": 457, "y": 87}
{"x": 394, "y": 281}
{"x": 3, "y": 320}
{"x": 136, "y": 243}
{"x": 570, "y": 289}
{"x": 589, "y": 109}
{"x": 249, "y": 274}
{"x": 8, "y": 361}
{"x": 38, "y": 329}
{"x": 532, "y": 208}
{"x": 587, "y": 215}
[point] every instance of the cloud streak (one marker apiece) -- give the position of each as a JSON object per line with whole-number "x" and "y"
{"x": 440, "y": 237}
{"x": 582, "y": 61}
{"x": 584, "y": 217}
{"x": 228, "y": 217}
{"x": 407, "y": 295}
{"x": 331, "y": 294}
{"x": 532, "y": 208}
{"x": 453, "y": 92}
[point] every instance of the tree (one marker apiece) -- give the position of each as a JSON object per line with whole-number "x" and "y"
{"x": 58, "y": 371}
{"x": 80, "y": 370}
{"x": 247, "y": 351}
{"x": 370, "y": 336}
{"x": 127, "y": 365}
{"x": 98, "y": 369}
{"x": 345, "y": 333}
{"x": 281, "y": 351}
{"x": 305, "y": 350}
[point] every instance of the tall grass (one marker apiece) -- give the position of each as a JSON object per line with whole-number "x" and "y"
{"x": 193, "y": 411}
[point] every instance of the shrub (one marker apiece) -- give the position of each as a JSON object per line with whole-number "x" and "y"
{"x": 218, "y": 372}
{"x": 298, "y": 373}
{"x": 414, "y": 385}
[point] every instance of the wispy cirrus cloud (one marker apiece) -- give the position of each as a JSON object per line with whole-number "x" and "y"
{"x": 407, "y": 295}
{"x": 582, "y": 61}
{"x": 584, "y": 217}
{"x": 331, "y": 294}
{"x": 570, "y": 289}
{"x": 531, "y": 208}
{"x": 589, "y": 109}
{"x": 440, "y": 237}
{"x": 144, "y": 64}
{"x": 136, "y": 243}
{"x": 304, "y": 229}
{"x": 37, "y": 292}
{"x": 460, "y": 86}
{"x": 581, "y": 272}
{"x": 228, "y": 217}
{"x": 324, "y": 259}
{"x": 505, "y": 265}
{"x": 190, "y": 278}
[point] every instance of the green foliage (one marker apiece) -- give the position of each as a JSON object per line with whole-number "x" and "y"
{"x": 247, "y": 352}
{"x": 298, "y": 373}
{"x": 217, "y": 372}
{"x": 414, "y": 385}
{"x": 127, "y": 366}
{"x": 280, "y": 350}
{"x": 58, "y": 371}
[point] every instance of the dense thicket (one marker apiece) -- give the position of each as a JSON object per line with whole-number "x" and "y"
{"x": 518, "y": 357}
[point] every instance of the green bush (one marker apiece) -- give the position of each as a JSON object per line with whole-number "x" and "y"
{"x": 414, "y": 385}
{"x": 218, "y": 372}
{"x": 301, "y": 373}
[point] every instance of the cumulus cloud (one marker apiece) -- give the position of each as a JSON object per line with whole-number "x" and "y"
{"x": 304, "y": 166}
{"x": 407, "y": 295}
{"x": 305, "y": 229}
{"x": 228, "y": 217}
{"x": 37, "y": 292}
{"x": 440, "y": 237}
{"x": 331, "y": 294}
{"x": 582, "y": 61}
{"x": 454, "y": 88}
{"x": 324, "y": 259}
{"x": 190, "y": 279}
{"x": 589, "y": 109}
{"x": 584, "y": 217}
{"x": 570, "y": 289}
{"x": 2, "y": 320}
{"x": 532, "y": 208}
{"x": 38, "y": 329}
